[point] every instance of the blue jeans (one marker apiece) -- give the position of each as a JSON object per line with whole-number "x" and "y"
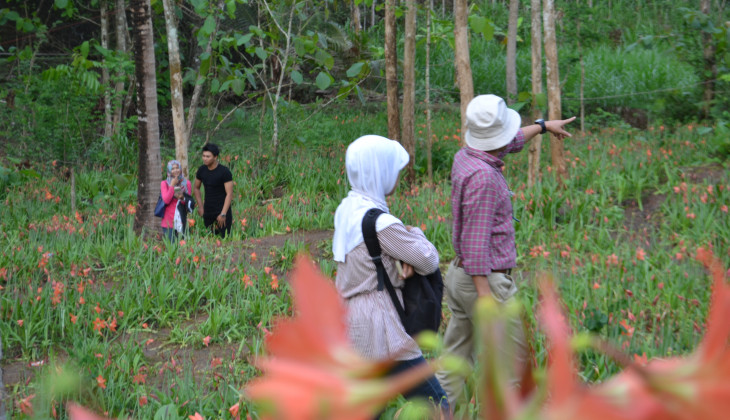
{"x": 429, "y": 389}
{"x": 170, "y": 234}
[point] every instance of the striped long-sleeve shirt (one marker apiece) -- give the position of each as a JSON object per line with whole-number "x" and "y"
{"x": 374, "y": 327}
{"x": 481, "y": 205}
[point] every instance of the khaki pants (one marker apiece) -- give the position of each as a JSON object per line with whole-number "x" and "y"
{"x": 461, "y": 296}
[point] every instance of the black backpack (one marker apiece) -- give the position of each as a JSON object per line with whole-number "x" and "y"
{"x": 422, "y": 295}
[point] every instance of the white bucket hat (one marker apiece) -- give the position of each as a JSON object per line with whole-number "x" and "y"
{"x": 489, "y": 123}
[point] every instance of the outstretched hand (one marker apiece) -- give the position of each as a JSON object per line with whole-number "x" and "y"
{"x": 556, "y": 127}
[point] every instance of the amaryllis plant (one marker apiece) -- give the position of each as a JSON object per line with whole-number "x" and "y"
{"x": 311, "y": 371}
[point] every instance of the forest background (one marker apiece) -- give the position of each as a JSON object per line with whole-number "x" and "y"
{"x": 283, "y": 87}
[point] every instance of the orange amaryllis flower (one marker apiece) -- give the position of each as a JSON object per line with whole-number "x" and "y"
{"x": 234, "y": 410}
{"x": 312, "y": 371}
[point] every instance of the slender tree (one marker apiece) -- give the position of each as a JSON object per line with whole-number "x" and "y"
{"x": 121, "y": 40}
{"x": 533, "y": 157}
{"x": 274, "y": 101}
{"x": 553, "y": 88}
{"x": 104, "y": 20}
{"x": 462, "y": 61}
{"x": 176, "y": 86}
{"x": 708, "y": 54}
{"x": 201, "y": 78}
{"x": 149, "y": 169}
{"x": 391, "y": 70}
{"x": 514, "y": 7}
{"x": 409, "y": 87}
{"x": 429, "y": 158}
{"x": 355, "y": 16}
{"x": 372, "y": 14}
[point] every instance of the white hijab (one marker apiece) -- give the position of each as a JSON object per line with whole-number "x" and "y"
{"x": 373, "y": 164}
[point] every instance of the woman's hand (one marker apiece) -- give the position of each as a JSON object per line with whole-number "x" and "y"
{"x": 408, "y": 271}
{"x": 175, "y": 172}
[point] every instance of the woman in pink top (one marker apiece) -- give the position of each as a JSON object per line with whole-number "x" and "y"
{"x": 172, "y": 190}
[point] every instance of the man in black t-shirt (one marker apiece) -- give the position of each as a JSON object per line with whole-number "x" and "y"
{"x": 218, "y": 183}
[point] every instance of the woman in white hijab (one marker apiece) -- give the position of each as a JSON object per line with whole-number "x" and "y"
{"x": 373, "y": 165}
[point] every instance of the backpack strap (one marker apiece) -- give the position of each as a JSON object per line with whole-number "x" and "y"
{"x": 371, "y": 242}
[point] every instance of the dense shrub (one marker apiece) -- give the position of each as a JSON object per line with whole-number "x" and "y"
{"x": 654, "y": 80}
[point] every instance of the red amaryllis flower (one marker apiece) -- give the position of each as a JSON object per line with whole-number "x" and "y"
{"x": 570, "y": 399}
{"x": 312, "y": 371}
{"x": 689, "y": 387}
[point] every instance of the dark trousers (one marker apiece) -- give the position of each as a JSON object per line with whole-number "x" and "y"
{"x": 212, "y": 224}
{"x": 170, "y": 234}
{"x": 430, "y": 389}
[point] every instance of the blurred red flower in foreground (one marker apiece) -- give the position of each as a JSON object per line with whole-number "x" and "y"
{"x": 77, "y": 412}
{"x": 312, "y": 371}
{"x": 691, "y": 387}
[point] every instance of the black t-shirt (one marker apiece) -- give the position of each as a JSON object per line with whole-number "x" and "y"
{"x": 215, "y": 191}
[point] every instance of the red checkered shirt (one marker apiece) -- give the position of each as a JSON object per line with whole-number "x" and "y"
{"x": 483, "y": 235}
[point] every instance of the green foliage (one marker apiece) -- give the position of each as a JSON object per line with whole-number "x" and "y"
{"x": 12, "y": 177}
{"x": 54, "y": 119}
{"x": 638, "y": 78}
{"x": 718, "y": 138}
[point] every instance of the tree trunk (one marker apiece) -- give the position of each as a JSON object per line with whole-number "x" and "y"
{"x": 409, "y": 87}
{"x": 461, "y": 58}
{"x": 176, "y": 88}
{"x": 553, "y": 89}
{"x": 200, "y": 80}
{"x": 104, "y": 12}
{"x": 372, "y": 14}
{"x": 533, "y": 157}
{"x": 355, "y": 17}
{"x": 282, "y": 72}
{"x": 429, "y": 158}
{"x": 121, "y": 37}
{"x": 391, "y": 70}
{"x": 148, "y": 131}
{"x": 514, "y": 8}
{"x": 582, "y": 85}
{"x": 710, "y": 65}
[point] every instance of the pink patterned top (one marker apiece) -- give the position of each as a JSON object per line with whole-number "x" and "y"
{"x": 375, "y": 329}
{"x": 168, "y": 196}
{"x": 481, "y": 205}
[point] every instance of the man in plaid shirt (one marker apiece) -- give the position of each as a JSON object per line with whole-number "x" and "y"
{"x": 483, "y": 234}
